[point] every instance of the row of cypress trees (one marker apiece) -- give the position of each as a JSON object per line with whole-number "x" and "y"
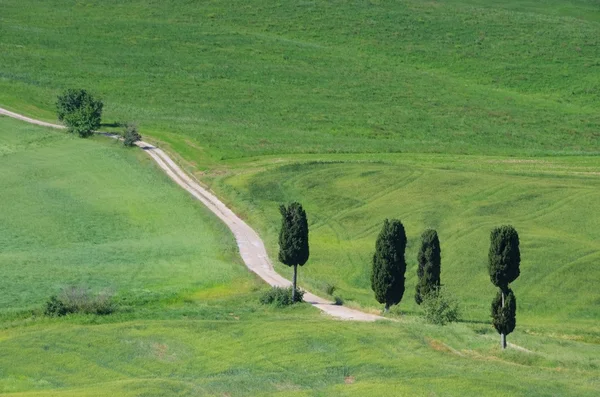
{"x": 389, "y": 264}
{"x": 389, "y": 267}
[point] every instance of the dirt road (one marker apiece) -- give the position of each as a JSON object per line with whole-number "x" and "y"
{"x": 252, "y": 249}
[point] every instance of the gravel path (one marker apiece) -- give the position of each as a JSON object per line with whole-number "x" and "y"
{"x": 252, "y": 249}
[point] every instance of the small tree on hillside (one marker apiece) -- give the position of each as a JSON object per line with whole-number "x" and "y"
{"x": 429, "y": 259}
{"x": 503, "y": 265}
{"x": 130, "y": 135}
{"x": 293, "y": 239}
{"x": 389, "y": 266}
{"x": 80, "y": 111}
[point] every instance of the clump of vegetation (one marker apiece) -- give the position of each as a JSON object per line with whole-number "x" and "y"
{"x": 389, "y": 266}
{"x": 329, "y": 289}
{"x": 130, "y": 135}
{"x": 338, "y": 301}
{"x": 281, "y": 296}
{"x": 79, "y": 300}
{"x": 80, "y": 111}
{"x": 439, "y": 307}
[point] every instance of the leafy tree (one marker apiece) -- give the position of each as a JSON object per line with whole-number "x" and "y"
{"x": 293, "y": 239}
{"x": 131, "y": 135}
{"x": 504, "y": 260}
{"x": 429, "y": 259}
{"x": 80, "y": 111}
{"x": 389, "y": 266}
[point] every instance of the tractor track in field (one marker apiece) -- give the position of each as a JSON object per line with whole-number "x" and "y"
{"x": 251, "y": 247}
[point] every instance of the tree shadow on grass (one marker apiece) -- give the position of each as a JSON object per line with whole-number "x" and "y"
{"x": 115, "y": 124}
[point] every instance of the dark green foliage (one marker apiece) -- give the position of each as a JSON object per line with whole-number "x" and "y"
{"x": 56, "y": 307}
{"x": 79, "y": 300}
{"x": 79, "y": 111}
{"x": 503, "y": 266}
{"x": 389, "y": 266}
{"x": 281, "y": 296}
{"x": 130, "y": 135}
{"x": 504, "y": 256}
{"x": 504, "y": 319}
{"x": 440, "y": 307}
{"x": 293, "y": 236}
{"x": 429, "y": 259}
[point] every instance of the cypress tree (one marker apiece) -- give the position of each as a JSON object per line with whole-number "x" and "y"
{"x": 504, "y": 260}
{"x": 504, "y": 317}
{"x": 429, "y": 259}
{"x": 293, "y": 239}
{"x": 389, "y": 266}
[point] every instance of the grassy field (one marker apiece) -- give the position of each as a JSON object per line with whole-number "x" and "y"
{"x": 92, "y": 213}
{"x": 548, "y": 200}
{"x": 458, "y": 114}
{"x": 228, "y": 79}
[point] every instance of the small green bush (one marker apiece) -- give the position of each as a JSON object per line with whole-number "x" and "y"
{"x": 330, "y": 289}
{"x": 79, "y": 300}
{"x": 130, "y": 135}
{"x": 439, "y": 307}
{"x": 338, "y": 301}
{"x": 280, "y": 296}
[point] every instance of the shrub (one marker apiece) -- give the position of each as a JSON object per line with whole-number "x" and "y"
{"x": 280, "y": 296}
{"x": 329, "y": 289}
{"x": 440, "y": 307}
{"x": 130, "y": 135}
{"x": 79, "y": 300}
{"x": 338, "y": 301}
{"x": 80, "y": 111}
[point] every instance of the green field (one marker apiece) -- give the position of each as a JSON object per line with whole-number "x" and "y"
{"x": 89, "y": 212}
{"x": 459, "y": 115}
{"x": 228, "y": 79}
{"x": 548, "y": 200}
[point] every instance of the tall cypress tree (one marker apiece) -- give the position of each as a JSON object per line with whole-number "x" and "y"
{"x": 429, "y": 259}
{"x": 504, "y": 262}
{"x": 389, "y": 266}
{"x": 293, "y": 239}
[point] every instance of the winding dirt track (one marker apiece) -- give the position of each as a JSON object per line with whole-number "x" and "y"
{"x": 252, "y": 249}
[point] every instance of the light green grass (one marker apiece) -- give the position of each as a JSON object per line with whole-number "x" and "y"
{"x": 267, "y": 85}
{"x": 190, "y": 323}
{"x": 550, "y": 201}
{"x": 92, "y": 213}
{"x": 229, "y": 79}
{"x": 292, "y": 352}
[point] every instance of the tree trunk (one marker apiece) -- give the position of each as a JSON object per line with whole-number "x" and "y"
{"x": 502, "y": 336}
{"x": 294, "y": 283}
{"x": 386, "y": 308}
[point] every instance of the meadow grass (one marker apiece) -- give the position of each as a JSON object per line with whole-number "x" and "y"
{"x": 347, "y": 197}
{"x": 92, "y": 213}
{"x": 252, "y": 350}
{"x": 260, "y": 96}
{"x": 189, "y": 321}
{"x": 228, "y": 79}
